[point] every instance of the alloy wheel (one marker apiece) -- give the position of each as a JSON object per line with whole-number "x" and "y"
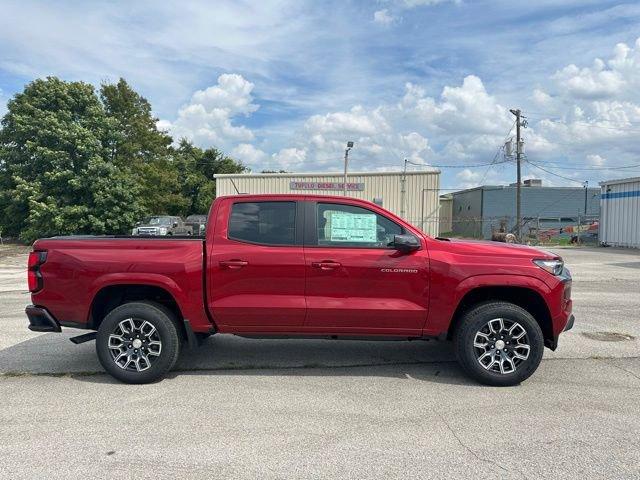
{"x": 501, "y": 345}
{"x": 135, "y": 344}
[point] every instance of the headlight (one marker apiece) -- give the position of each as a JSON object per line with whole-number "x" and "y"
{"x": 163, "y": 231}
{"x": 554, "y": 267}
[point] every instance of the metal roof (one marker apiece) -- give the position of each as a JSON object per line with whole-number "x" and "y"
{"x": 324, "y": 174}
{"x": 620, "y": 180}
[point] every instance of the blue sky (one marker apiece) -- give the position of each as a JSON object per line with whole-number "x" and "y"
{"x": 284, "y": 84}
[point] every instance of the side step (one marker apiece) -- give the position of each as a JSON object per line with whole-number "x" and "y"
{"x": 87, "y": 337}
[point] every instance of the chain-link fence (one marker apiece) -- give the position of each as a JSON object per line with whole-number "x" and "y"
{"x": 539, "y": 230}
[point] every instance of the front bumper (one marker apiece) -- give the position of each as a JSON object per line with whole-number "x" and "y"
{"x": 40, "y": 320}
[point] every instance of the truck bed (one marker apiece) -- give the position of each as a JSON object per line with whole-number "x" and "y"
{"x": 79, "y": 269}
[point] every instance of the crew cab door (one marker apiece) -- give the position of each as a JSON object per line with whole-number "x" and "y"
{"x": 256, "y": 265}
{"x": 355, "y": 281}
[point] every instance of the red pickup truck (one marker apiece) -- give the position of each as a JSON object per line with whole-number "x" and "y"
{"x": 301, "y": 266}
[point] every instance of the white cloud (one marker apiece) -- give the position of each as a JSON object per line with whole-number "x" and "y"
{"x": 596, "y": 160}
{"x": 594, "y": 82}
{"x": 290, "y": 159}
{"x": 3, "y": 103}
{"x": 467, "y": 176}
{"x": 357, "y": 121}
{"x": 249, "y": 155}
{"x": 469, "y": 179}
{"x": 383, "y": 17}
{"x": 620, "y": 75}
{"x": 467, "y": 108}
{"x": 207, "y": 118}
{"x": 422, "y": 3}
{"x": 541, "y": 97}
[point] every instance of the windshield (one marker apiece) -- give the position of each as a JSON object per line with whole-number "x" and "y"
{"x": 158, "y": 221}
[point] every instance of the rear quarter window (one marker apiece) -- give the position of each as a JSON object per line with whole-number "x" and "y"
{"x": 265, "y": 223}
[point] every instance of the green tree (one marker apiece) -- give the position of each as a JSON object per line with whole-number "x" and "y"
{"x": 56, "y": 173}
{"x": 196, "y": 168}
{"x": 71, "y": 162}
{"x": 140, "y": 145}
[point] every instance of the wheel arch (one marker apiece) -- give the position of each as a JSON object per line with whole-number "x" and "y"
{"x": 112, "y": 296}
{"x": 525, "y": 297}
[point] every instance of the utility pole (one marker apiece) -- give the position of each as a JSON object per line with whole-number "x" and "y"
{"x": 586, "y": 190}
{"x": 346, "y": 162}
{"x": 518, "y": 114}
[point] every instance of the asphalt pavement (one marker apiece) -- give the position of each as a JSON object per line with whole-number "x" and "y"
{"x": 241, "y": 408}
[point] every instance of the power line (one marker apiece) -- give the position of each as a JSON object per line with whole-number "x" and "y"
{"x": 623, "y": 167}
{"x": 553, "y": 173}
{"x": 445, "y": 166}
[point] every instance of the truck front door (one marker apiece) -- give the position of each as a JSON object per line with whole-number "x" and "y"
{"x": 356, "y": 282}
{"x": 256, "y": 266}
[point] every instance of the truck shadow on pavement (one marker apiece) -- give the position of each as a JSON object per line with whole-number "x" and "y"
{"x": 55, "y": 355}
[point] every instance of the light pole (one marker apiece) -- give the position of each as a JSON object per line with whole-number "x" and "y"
{"x": 346, "y": 162}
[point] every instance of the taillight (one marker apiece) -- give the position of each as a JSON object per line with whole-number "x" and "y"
{"x": 34, "y": 277}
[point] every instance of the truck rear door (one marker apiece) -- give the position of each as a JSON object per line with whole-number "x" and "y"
{"x": 256, "y": 265}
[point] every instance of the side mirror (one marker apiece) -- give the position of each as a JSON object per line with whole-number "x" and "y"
{"x": 138, "y": 224}
{"x": 175, "y": 224}
{"x": 406, "y": 243}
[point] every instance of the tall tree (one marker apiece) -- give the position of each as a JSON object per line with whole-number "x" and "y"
{"x": 56, "y": 176}
{"x": 139, "y": 144}
{"x": 196, "y": 168}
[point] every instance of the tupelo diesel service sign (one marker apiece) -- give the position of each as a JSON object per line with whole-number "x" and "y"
{"x": 338, "y": 186}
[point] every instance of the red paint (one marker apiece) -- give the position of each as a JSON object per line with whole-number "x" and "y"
{"x": 294, "y": 289}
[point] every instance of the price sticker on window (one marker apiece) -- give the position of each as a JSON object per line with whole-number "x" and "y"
{"x": 352, "y": 227}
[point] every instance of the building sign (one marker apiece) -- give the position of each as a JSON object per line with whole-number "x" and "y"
{"x": 337, "y": 186}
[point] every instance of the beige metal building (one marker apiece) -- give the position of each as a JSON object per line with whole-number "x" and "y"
{"x": 411, "y": 195}
{"x": 446, "y": 214}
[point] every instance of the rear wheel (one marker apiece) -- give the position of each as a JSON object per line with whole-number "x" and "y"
{"x": 499, "y": 343}
{"x": 138, "y": 342}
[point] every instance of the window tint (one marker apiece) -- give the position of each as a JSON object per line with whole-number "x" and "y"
{"x": 349, "y": 226}
{"x": 269, "y": 223}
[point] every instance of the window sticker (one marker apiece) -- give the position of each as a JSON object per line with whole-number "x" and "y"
{"x": 352, "y": 227}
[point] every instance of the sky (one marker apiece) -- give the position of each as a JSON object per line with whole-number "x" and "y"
{"x": 282, "y": 84}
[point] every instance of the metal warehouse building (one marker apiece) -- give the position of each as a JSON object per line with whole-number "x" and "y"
{"x": 411, "y": 195}
{"x": 479, "y": 211}
{"x": 620, "y": 212}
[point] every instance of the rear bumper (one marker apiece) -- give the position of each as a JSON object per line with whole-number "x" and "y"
{"x": 569, "y": 325}
{"x": 40, "y": 320}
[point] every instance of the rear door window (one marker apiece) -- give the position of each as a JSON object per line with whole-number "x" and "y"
{"x": 265, "y": 223}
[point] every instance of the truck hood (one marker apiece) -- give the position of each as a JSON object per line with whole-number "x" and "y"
{"x": 485, "y": 247}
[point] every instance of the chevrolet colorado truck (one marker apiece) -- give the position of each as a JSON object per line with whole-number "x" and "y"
{"x": 294, "y": 266}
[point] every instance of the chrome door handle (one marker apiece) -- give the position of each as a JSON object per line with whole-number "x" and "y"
{"x": 326, "y": 265}
{"x": 233, "y": 264}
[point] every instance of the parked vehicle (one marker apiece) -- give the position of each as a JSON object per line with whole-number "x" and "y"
{"x": 162, "y": 225}
{"x": 198, "y": 224}
{"x": 301, "y": 266}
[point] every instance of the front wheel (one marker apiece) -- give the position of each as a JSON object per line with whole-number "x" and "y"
{"x": 499, "y": 343}
{"x": 138, "y": 342}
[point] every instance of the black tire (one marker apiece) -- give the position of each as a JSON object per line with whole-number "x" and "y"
{"x": 476, "y": 322}
{"x": 159, "y": 362}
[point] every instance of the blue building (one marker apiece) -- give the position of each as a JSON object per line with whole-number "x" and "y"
{"x": 477, "y": 212}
